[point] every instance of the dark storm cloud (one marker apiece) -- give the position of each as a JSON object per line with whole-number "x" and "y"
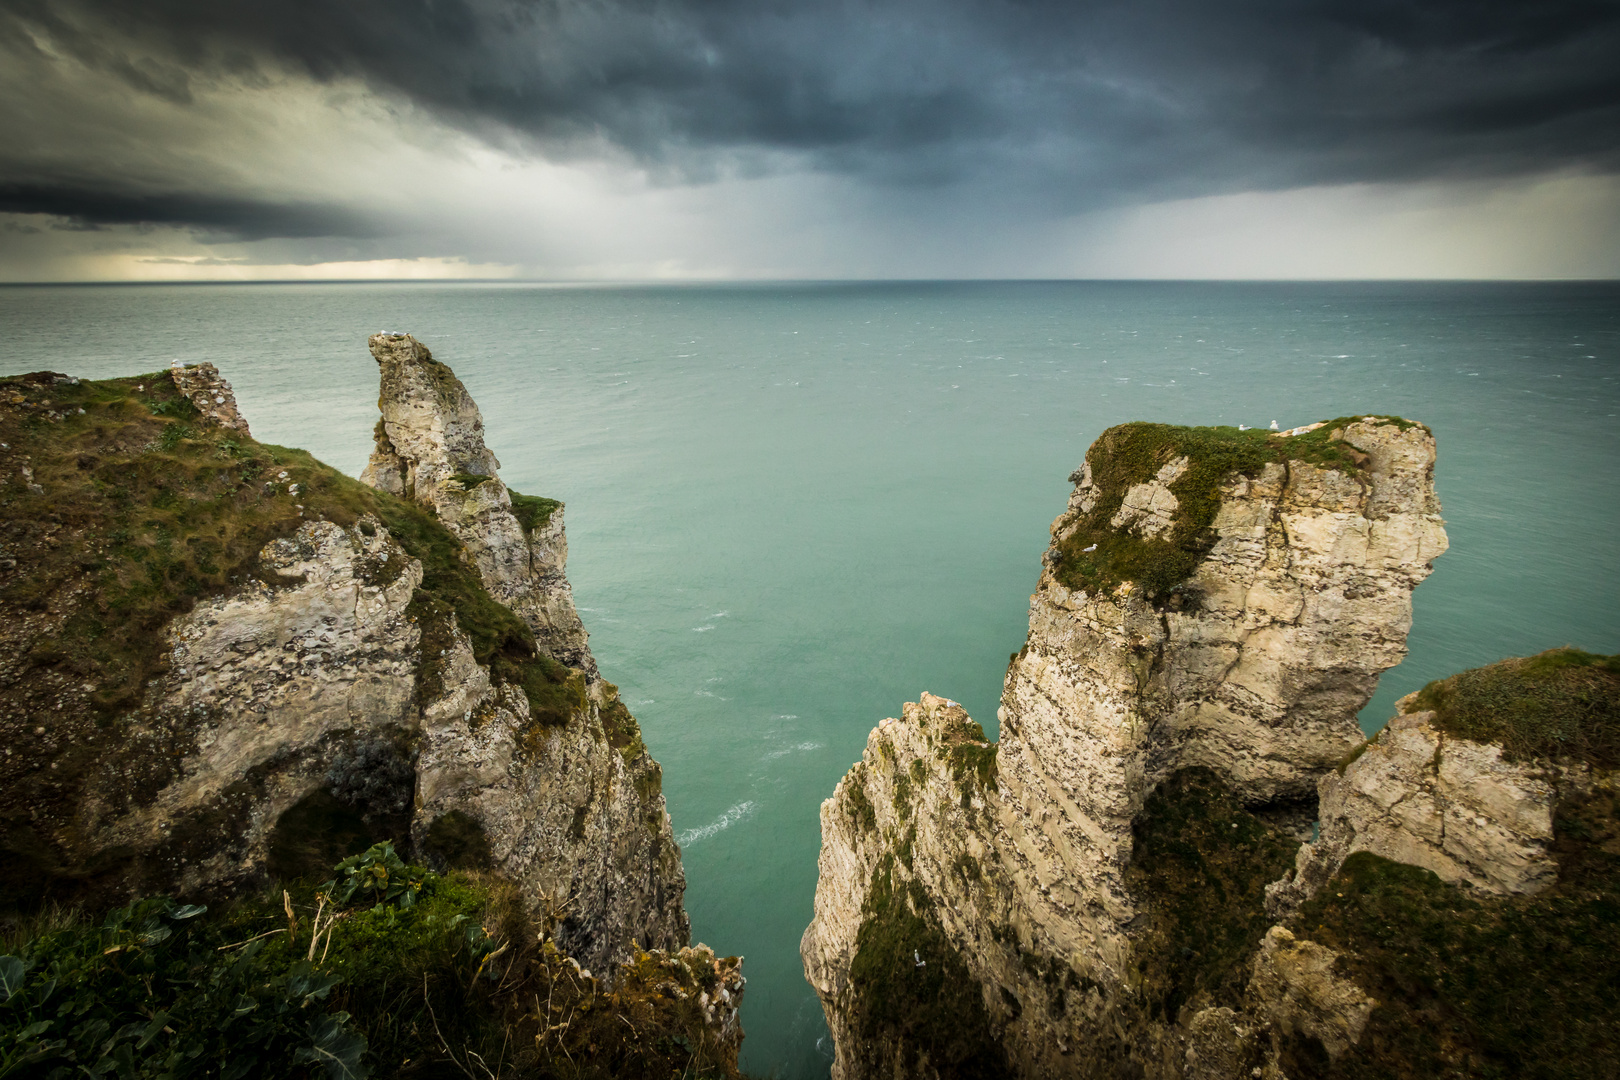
{"x": 217, "y": 218}
{"x": 1086, "y": 102}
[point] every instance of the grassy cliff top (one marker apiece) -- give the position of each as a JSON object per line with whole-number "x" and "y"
{"x": 120, "y": 509}
{"x": 1132, "y": 454}
{"x": 1563, "y": 704}
{"x": 141, "y": 511}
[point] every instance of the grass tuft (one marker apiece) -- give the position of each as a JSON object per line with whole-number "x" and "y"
{"x": 1132, "y": 454}
{"x": 1559, "y": 705}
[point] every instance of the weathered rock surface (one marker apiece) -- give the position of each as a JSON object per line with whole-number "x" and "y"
{"x": 210, "y": 394}
{"x": 330, "y": 693}
{"x": 430, "y": 448}
{"x": 1253, "y": 666}
{"x": 1451, "y": 805}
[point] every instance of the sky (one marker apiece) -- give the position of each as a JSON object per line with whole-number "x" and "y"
{"x": 768, "y": 139}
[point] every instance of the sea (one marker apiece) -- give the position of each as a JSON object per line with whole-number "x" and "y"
{"x": 793, "y": 507}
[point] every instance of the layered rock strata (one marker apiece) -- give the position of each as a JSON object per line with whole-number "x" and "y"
{"x": 1212, "y": 600}
{"x": 430, "y": 448}
{"x": 350, "y": 680}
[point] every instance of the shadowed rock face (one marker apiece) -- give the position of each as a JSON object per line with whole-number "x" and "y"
{"x": 1253, "y": 666}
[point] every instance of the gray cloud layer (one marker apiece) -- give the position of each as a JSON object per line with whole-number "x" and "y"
{"x": 1072, "y": 104}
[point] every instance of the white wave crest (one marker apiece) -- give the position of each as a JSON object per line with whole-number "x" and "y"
{"x": 719, "y": 824}
{"x": 795, "y": 748}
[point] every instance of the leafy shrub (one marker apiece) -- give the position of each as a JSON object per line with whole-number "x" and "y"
{"x": 151, "y": 992}
{"x": 378, "y": 875}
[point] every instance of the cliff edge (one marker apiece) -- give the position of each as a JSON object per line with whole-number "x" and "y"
{"x": 1215, "y": 607}
{"x": 222, "y": 660}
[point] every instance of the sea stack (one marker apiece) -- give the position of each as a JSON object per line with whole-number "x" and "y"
{"x": 1214, "y": 609}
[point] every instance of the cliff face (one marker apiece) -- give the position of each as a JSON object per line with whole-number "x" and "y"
{"x": 430, "y": 448}
{"x": 1214, "y": 609}
{"x": 224, "y": 658}
{"x": 574, "y": 810}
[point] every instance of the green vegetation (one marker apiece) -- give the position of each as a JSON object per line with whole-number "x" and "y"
{"x": 914, "y": 1018}
{"x": 150, "y": 515}
{"x": 293, "y": 984}
{"x": 969, "y": 755}
{"x": 130, "y": 513}
{"x": 532, "y": 511}
{"x": 1200, "y": 868}
{"x": 469, "y": 480}
{"x": 1472, "y": 986}
{"x": 859, "y": 805}
{"x": 902, "y": 796}
{"x": 1134, "y": 453}
{"x": 1561, "y": 705}
{"x": 972, "y": 760}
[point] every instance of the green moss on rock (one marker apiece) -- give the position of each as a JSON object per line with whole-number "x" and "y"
{"x": 1200, "y": 867}
{"x": 1563, "y": 705}
{"x": 915, "y": 1006}
{"x": 1132, "y": 454}
{"x": 1475, "y": 986}
{"x": 533, "y": 511}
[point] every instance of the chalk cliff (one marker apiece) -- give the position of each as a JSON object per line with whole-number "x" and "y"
{"x": 1214, "y": 609}
{"x": 223, "y": 659}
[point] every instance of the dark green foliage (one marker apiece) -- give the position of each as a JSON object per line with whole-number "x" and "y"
{"x": 469, "y": 480}
{"x": 555, "y": 691}
{"x": 532, "y": 511}
{"x": 1200, "y": 866}
{"x": 902, "y": 796}
{"x": 1133, "y": 453}
{"x": 456, "y": 841}
{"x": 908, "y": 1013}
{"x": 1472, "y": 986}
{"x": 1563, "y": 705}
{"x": 154, "y": 991}
{"x": 972, "y": 760}
{"x": 860, "y": 807}
{"x": 376, "y": 876}
{"x": 428, "y": 990}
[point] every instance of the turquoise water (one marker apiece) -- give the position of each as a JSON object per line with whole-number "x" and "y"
{"x": 793, "y": 507}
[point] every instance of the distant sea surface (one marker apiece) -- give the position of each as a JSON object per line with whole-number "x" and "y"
{"x": 793, "y": 507}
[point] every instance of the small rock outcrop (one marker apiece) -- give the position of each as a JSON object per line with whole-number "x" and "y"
{"x": 210, "y": 394}
{"x": 1476, "y": 811}
{"x": 1214, "y": 602}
